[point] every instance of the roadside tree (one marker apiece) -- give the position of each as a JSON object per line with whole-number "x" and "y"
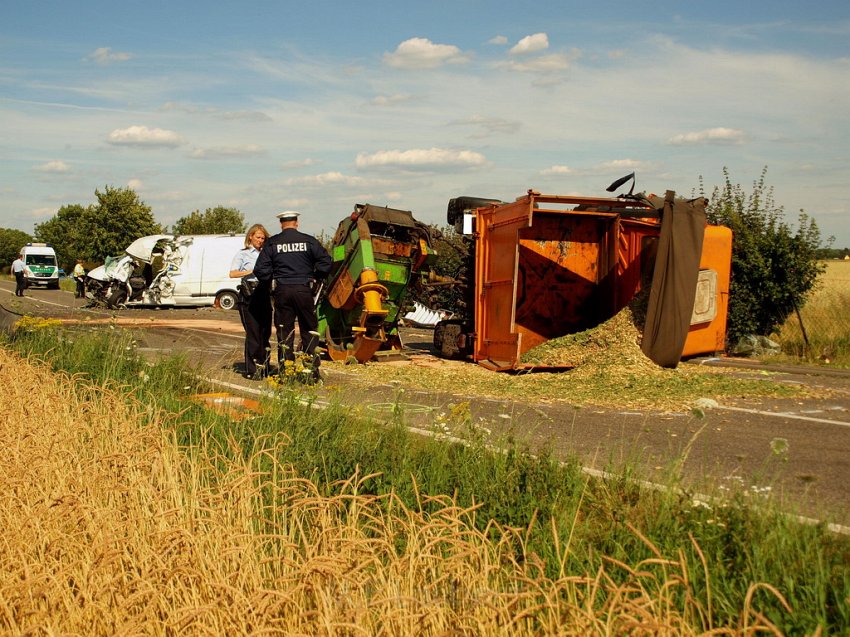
{"x": 118, "y": 218}
{"x": 774, "y": 268}
{"x": 11, "y": 241}
{"x": 65, "y": 232}
{"x": 218, "y": 220}
{"x": 100, "y": 230}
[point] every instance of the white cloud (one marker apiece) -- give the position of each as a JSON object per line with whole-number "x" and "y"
{"x": 135, "y": 184}
{"x": 543, "y": 63}
{"x": 420, "y": 157}
{"x": 531, "y": 44}
{"x": 144, "y": 136}
{"x": 709, "y": 136}
{"x": 55, "y": 166}
{"x": 325, "y": 179}
{"x": 421, "y": 53}
{"x": 105, "y": 55}
{"x": 499, "y": 39}
{"x": 224, "y": 152}
{"x": 557, "y": 170}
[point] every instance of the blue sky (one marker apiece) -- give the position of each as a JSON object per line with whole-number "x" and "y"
{"x": 266, "y": 106}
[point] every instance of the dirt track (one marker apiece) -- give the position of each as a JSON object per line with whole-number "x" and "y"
{"x": 732, "y": 444}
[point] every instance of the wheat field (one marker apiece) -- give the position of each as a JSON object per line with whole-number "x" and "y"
{"x": 825, "y": 317}
{"x": 109, "y": 527}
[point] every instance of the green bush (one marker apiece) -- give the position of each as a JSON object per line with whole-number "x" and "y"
{"x": 774, "y": 268}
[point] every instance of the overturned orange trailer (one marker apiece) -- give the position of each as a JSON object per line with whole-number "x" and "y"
{"x": 550, "y": 265}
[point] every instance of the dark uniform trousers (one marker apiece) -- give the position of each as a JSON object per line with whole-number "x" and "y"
{"x": 20, "y": 283}
{"x": 256, "y": 314}
{"x": 293, "y": 301}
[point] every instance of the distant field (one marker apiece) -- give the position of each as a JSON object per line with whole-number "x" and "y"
{"x": 825, "y": 318}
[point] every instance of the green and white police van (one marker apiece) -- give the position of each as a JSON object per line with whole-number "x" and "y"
{"x": 41, "y": 266}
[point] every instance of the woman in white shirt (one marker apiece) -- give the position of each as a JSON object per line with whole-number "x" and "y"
{"x": 255, "y": 307}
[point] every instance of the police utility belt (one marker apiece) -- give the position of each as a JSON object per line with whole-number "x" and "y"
{"x": 295, "y": 280}
{"x": 247, "y": 287}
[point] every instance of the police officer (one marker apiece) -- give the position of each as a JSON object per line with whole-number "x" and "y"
{"x": 18, "y": 267}
{"x": 292, "y": 260}
{"x": 255, "y": 308}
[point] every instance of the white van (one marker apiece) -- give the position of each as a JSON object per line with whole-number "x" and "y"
{"x": 41, "y": 266}
{"x": 172, "y": 270}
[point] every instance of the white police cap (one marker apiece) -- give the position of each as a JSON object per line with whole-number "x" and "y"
{"x": 288, "y": 215}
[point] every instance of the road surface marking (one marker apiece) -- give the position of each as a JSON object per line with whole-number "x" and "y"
{"x": 784, "y": 414}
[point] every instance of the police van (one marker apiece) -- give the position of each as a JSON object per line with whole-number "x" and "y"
{"x": 41, "y": 266}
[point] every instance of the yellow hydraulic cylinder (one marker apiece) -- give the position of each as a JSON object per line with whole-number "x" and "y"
{"x": 372, "y": 295}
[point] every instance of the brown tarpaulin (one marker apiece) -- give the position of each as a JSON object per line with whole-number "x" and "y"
{"x": 674, "y": 280}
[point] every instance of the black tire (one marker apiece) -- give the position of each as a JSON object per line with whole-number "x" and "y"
{"x": 457, "y": 206}
{"x": 53, "y": 285}
{"x": 117, "y": 298}
{"x": 227, "y": 300}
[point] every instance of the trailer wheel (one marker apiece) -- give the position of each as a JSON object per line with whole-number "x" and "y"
{"x": 226, "y": 300}
{"x": 450, "y": 339}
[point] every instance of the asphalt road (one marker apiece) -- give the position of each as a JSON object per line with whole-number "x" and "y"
{"x": 798, "y": 450}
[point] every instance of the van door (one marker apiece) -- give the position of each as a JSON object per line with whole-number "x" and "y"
{"x": 217, "y": 258}
{"x": 213, "y": 268}
{"x": 188, "y": 280}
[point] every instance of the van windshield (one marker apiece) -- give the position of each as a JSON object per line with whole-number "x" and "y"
{"x": 40, "y": 259}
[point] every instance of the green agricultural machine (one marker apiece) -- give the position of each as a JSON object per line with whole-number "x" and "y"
{"x": 378, "y": 253}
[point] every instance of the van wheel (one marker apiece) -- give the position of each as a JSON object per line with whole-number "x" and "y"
{"x": 226, "y": 300}
{"x": 53, "y": 285}
{"x": 117, "y": 298}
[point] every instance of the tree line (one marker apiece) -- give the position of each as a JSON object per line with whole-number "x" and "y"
{"x": 105, "y": 228}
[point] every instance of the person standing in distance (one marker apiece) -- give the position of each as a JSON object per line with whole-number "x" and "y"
{"x": 79, "y": 275}
{"x": 18, "y": 266}
{"x": 292, "y": 260}
{"x": 255, "y": 307}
